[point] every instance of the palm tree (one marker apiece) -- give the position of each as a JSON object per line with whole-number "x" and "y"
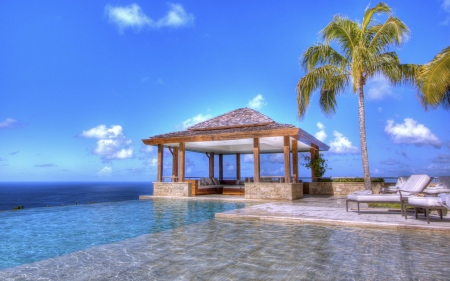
{"x": 364, "y": 53}
{"x": 433, "y": 81}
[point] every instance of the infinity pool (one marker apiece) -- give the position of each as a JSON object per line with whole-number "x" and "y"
{"x": 31, "y": 235}
{"x": 178, "y": 240}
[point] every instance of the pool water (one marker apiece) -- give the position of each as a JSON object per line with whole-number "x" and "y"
{"x": 167, "y": 239}
{"x": 31, "y": 235}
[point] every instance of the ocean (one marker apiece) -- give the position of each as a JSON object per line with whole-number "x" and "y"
{"x": 52, "y": 194}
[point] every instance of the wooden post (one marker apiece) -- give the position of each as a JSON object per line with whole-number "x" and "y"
{"x": 182, "y": 155}
{"x": 238, "y": 166}
{"x": 313, "y": 151}
{"x": 256, "y": 162}
{"x": 175, "y": 164}
{"x": 159, "y": 173}
{"x": 220, "y": 166}
{"x": 287, "y": 160}
{"x": 211, "y": 164}
{"x": 295, "y": 160}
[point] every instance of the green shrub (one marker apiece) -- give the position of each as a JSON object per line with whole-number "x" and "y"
{"x": 319, "y": 164}
{"x": 18, "y": 208}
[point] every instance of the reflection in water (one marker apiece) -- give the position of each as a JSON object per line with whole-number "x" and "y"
{"x": 239, "y": 250}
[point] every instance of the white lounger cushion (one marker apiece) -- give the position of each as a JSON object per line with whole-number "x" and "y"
{"x": 374, "y": 197}
{"x": 424, "y": 202}
{"x": 398, "y": 185}
{"x": 415, "y": 183}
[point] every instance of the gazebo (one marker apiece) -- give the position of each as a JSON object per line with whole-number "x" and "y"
{"x": 241, "y": 131}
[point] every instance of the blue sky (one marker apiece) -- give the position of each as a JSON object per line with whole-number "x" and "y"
{"x": 82, "y": 82}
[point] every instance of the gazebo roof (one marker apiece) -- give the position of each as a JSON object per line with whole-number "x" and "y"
{"x": 239, "y": 118}
{"x": 233, "y": 132}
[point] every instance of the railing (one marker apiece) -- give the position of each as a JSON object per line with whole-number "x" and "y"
{"x": 303, "y": 179}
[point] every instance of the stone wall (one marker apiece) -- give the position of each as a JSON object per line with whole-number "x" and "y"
{"x": 181, "y": 189}
{"x": 340, "y": 188}
{"x": 273, "y": 191}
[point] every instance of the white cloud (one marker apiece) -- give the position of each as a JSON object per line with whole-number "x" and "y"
{"x": 8, "y": 123}
{"x": 248, "y": 158}
{"x": 276, "y": 158}
{"x": 446, "y": 7}
{"x": 273, "y": 172}
{"x": 101, "y": 132}
{"x": 229, "y": 166}
{"x": 133, "y": 17}
{"x": 376, "y": 171}
{"x": 321, "y": 135}
{"x": 442, "y": 158}
{"x": 194, "y": 120}
{"x": 176, "y": 17}
{"x": 257, "y": 102}
{"x": 378, "y": 88}
{"x": 128, "y": 16}
{"x": 341, "y": 144}
{"x": 435, "y": 169}
{"x": 106, "y": 171}
{"x": 411, "y": 132}
{"x": 112, "y": 143}
{"x": 146, "y": 153}
{"x": 153, "y": 162}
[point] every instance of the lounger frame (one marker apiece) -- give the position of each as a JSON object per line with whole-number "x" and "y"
{"x": 402, "y": 203}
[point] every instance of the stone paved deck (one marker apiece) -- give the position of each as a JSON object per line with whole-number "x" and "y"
{"x": 330, "y": 210}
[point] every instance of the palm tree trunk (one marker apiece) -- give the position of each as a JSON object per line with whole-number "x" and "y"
{"x": 362, "y": 137}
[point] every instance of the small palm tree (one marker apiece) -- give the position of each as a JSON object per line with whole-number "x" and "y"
{"x": 433, "y": 81}
{"x": 364, "y": 53}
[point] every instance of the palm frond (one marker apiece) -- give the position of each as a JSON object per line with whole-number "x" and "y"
{"x": 345, "y": 32}
{"x": 330, "y": 89}
{"x": 444, "y": 102}
{"x": 317, "y": 78}
{"x": 393, "y": 32}
{"x": 433, "y": 79}
{"x": 368, "y": 14}
{"x": 389, "y": 65}
{"x": 321, "y": 54}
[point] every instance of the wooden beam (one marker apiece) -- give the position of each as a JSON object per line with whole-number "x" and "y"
{"x": 159, "y": 173}
{"x": 314, "y": 150}
{"x": 222, "y": 136}
{"x": 182, "y": 150}
{"x": 211, "y": 164}
{"x": 287, "y": 160}
{"x": 175, "y": 164}
{"x": 256, "y": 162}
{"x": 220, "y": 166}
{"x": 295, "y": 160}
{"x": 238, "y": 166}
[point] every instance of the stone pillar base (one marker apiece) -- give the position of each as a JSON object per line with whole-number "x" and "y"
{"x": 180, "y": 189}
{"x": 273, "y": 191}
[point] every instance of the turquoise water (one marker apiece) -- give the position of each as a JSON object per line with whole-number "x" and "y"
{"x": 167, "y": 239}
{"x": 31, "y": 235}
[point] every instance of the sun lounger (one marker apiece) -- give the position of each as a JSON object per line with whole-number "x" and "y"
{"x": 440, "y": 203}
{"x": 395, "y": 188}
{"x": 426, "y": 203}
{"x": 415, "y": 183}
